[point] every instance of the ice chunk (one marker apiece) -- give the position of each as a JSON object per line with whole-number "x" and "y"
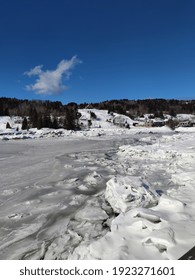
{"x": 93, "y": 178}
{"x": 124, "y": 193}
{"x": 91, "y": 214}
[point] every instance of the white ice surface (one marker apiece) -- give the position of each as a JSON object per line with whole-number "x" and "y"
{"x": 54, "y": 192}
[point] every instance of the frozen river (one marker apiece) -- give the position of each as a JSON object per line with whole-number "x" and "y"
{"x": 52, "y": 197}
{"x": 42, "y": 183}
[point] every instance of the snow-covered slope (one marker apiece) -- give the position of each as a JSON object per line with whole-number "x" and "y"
{"x": 93, "y": 122}
{"x": 103, "y": 124}
{"x": 103, "y": 119}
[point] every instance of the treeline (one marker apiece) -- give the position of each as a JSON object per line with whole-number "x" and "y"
{"x": 136, "y": 108}
{"x": 37, "y": 113}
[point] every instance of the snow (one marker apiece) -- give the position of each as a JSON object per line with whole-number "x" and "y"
{"x": 104, "y": 192}
{"x": 104, "y": 120}
{"x": 184, "y": 117}
{"x": 3, "y": 122}
{"x": 125, "y": 193}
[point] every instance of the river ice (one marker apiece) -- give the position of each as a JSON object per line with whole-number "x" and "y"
{"x": 55, "y": 202}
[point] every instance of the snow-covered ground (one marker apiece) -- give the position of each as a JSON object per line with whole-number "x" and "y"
{"x": 103, "y": 193}
{"x": 102, "y": 125}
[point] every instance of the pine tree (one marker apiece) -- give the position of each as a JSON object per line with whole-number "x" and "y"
{"x": 39, "y": 122}
{"x": 89, "y": 123}
{"x": 172, "y": 113}
{"x": 93, "y": 115}
{"x": 55, "y": 123}
{"x": 24, "y": 124}
{"x": 34, "y": 118}
{"x": 70, "y": 120}
{"x": 6, "y": 112}
{"x": 8, "y": 125}
{"x": 47, "y": 121}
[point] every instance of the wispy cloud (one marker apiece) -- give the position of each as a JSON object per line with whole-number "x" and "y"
{"x": 50, "y": 82}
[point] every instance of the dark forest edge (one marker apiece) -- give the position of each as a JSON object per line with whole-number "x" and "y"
{"x": 53, "y": 114}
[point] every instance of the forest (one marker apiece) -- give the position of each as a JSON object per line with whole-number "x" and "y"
{"x": 38, "y": 113}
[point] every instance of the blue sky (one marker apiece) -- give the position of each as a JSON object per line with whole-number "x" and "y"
{"x": 96, "y": 50}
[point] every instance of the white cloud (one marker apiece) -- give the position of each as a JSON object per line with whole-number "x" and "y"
{"x": 50, "y": 82}
{"x": 35, "y": 71}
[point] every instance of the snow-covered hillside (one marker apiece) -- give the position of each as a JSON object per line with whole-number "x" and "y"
{"x": 104, "y": 119}
{"x": 103, "y": 124}
{"x": 105, "y": 192}
{"x": 93, "y": 123}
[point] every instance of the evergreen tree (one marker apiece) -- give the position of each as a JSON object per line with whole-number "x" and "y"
{"x": 47, "y": 121}
{"x": 24, "y": 124}
{"x": 70, "y": 120}
{"x": 89, "y": 123}
{"x": 6, "y": 112}
{"x": 8, "y": 125}
{"x": 1, "y": 110}
{"x": 93, "y": 116}
{"x": 55, "y": 123}
{"x": 40, "y": 122}
{"x": 172, "y": 113}
{"x": 34, "y": 117}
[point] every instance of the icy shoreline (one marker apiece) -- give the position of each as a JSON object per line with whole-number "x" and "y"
{"x": 53, "y": 203}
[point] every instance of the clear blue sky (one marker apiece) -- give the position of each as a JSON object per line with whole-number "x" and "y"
{"x": 95, "y": 50}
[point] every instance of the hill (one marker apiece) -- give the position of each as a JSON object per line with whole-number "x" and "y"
{"x": 28, "y": 114}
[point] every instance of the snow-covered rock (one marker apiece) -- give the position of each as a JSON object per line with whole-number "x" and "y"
{"x": 124, "y": 193}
